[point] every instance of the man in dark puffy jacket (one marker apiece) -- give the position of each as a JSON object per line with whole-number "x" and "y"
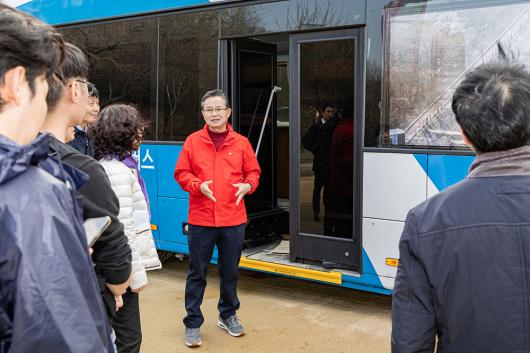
{"x": 49, "y": 298}
{"x": 463, "y": 282}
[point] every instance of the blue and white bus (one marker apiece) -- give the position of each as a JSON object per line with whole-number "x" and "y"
{"x": 393, "y": 64}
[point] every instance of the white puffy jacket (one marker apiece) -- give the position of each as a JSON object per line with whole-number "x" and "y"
{"x": 135, "y": 218}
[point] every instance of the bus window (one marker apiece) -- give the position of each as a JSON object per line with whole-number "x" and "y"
{"x": 187, "y": 69}
{"x": 428, "y": 49}
{"x": 122, "y": 72}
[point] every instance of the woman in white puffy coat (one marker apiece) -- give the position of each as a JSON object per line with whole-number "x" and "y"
{"x": 116, "y": 135}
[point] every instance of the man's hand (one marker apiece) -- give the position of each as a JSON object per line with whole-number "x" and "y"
{"x": 138, "y": 290}
{"x": 205, "y": 189}
{"x": 242, "y": 190}
{"x": 119, "y": 302}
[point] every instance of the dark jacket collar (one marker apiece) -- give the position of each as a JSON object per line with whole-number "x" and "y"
{"x": 514, "y": 162}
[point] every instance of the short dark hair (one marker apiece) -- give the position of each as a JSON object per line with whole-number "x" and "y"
{"x": 215, "y": 93}
{"x": 75, "y": 64}
{"x": 28, "y": 42}
{"x": 491, "y": 105}
{"x": 93, "y": 91}
{"x": 326, "y": 105}
{"x": 115, "y": 131}
{"x": 55, "y": 91}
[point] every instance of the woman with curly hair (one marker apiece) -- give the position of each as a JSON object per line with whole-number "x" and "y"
{"x": 116, "y": 135}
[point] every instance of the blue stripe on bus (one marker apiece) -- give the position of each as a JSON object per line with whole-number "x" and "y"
{"x": 368, "y": 281}
{"x": 444, "y": 170}
{"x": 60, "y": 12}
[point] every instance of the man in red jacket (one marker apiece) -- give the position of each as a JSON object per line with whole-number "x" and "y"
{"x": 218, "y": 167}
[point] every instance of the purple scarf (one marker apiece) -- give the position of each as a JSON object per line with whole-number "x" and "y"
{"x": 132, "y": 163}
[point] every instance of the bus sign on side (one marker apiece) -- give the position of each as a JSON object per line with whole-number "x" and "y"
{"x": 147, "y": 161}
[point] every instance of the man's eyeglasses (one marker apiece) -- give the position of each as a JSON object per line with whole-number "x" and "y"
{"x": 89, "y": 85}
{"x": 210, "y": 111}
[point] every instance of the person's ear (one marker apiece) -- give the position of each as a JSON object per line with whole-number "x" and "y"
{"x": 76, "y": 91}
{"x": 12, "y": 89}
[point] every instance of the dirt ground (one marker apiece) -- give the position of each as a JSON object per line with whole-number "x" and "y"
{"x": 280, "y": 315}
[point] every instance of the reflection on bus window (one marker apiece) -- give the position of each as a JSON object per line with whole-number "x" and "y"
{"x": 428, "y": 51}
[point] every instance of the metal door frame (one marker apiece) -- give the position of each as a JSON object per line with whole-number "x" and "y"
{"x": 307, "y": 241}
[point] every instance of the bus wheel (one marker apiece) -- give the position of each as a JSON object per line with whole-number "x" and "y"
{"x": 165, "y": 255}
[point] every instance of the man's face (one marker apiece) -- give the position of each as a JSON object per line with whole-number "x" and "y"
{"x": 92, "y": 110}
{"x": 328, "y": 113}
{"x": 216, "y": 113}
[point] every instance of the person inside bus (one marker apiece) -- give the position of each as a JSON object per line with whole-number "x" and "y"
{"x": 463, "y": 277}
{"x": 317, "y": 140}
{"x": 66, "y": 107}
{"x": 338, "y": 213}
{"x": 218, "y": 167}
{"x": 116, "y": 135}
{"x": 81, "y": 141}
{"x": 49, "y": 297}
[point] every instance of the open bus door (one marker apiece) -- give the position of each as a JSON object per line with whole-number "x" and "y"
{"x": 250, "y": 80}
{"x": 325, "y": 193}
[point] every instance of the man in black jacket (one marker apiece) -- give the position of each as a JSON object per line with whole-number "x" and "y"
{"x": 317, "y": 140}
{"x": 463, "y": 281}
{"x": 66, "y": 107}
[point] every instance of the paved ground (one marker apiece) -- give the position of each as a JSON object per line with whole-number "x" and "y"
{"x": 281, "y": 315}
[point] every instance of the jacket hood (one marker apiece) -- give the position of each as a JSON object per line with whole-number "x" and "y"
{"x": 16, "y": 159}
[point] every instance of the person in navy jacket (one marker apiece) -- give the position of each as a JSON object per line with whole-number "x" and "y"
{"x": 463, "y": 281}
{"x": 49, "y": 297}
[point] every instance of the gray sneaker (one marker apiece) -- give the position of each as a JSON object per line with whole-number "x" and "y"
{"x": 232, "y": 325}
{"x": 192, "y": 337}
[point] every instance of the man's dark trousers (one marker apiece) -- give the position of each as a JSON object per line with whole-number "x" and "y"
{"x": 319, "y": 184}
{"x": 201, "y": 240}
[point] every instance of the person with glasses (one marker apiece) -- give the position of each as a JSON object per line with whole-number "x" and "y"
{"x": 81, "y": 141}
{"x": 67, "y": 101}
{"x": 218, "y": 167}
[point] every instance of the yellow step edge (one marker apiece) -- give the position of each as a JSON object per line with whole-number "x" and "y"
{"x": 328, "y": 277}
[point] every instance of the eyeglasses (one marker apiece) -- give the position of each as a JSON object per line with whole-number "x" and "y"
{"x": 89, "y": 85}
{"x": 210, "y": 111}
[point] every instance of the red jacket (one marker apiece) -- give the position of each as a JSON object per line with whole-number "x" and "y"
{"x": 235, "y": 162}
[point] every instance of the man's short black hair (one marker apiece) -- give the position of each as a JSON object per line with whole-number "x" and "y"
{"x": 326, "y": 105}
{"x": 28, "y": 42}
{"x": 491, "y": 105}
{"x": 75, "y": 64}
{"x": 215, "y": 93}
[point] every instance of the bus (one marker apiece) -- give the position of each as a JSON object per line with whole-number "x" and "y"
{"x": 331, "y": 210}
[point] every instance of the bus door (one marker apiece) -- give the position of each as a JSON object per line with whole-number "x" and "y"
{"x": 326, "y": 98}
{"x": 251, "y": 79}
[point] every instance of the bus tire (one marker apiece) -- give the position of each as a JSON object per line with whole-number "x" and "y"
{"x": 165, "y": 255}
